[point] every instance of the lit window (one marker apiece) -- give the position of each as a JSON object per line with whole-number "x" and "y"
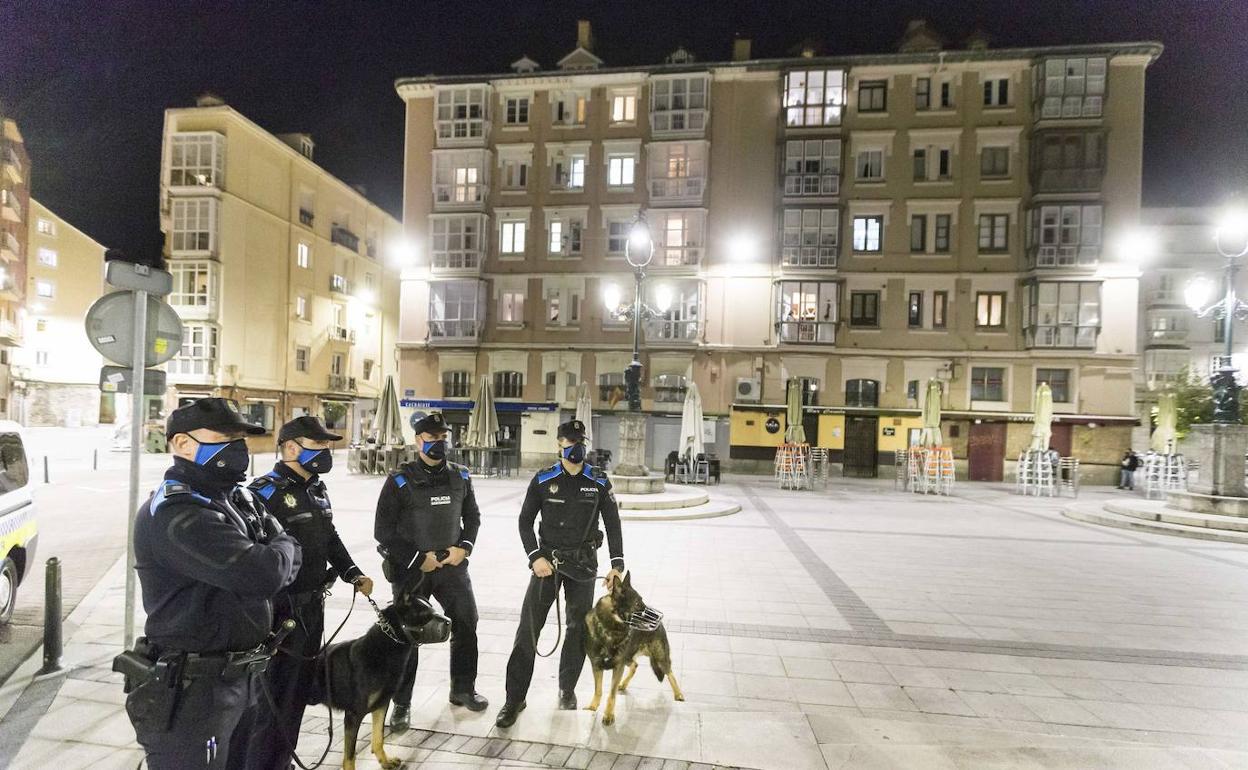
{"x": 196, "y": 159}
{"x": 462, "y": 112}
{"x": 45, "y": 289}
{"x": 623, "y": 107}
{"x": 810, "y": 237}
{"x": 511, "y": 307}
{"x": 456, "y": 241}
{"x": 620, "y": 170}
{"x": 990, "y": 310}
{"x": 192, "y": 284}
{"x": 47, "y": 257}
{"x": 868, "y": 233}
{"x": 194, "y": 225}
{"x": 303, "y": 255}
{"x": 41, "y": 358}
{"x": 301, "y": 307}
{"x": 814, "y": 97}
{"x": 512, "y": 235}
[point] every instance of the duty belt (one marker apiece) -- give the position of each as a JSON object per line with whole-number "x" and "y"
{"x": 212, "y": 665}
{"x": 305, "y": 597}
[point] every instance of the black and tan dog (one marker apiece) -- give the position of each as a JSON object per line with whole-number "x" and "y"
{"x": 360, "y": 676}
{"x": 615, "y": 634}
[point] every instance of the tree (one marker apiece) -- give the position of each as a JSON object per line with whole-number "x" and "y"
{"x": 1193, "y": 398}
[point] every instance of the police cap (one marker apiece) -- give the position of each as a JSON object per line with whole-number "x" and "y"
{"x": 431, "y": 423}
{"x": 572, "y": 430}
{"x": 217, "y": 414}
{"x": 307, "y": 426}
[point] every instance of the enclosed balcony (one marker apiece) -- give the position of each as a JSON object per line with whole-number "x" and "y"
{"x": 341, "y": 383}
{"x": 13, "y": 168}
{"x": 10, "y": 249}
{"x": 345, "y": 238}
{"x": 338, "y": 284}
{"x": 10, "y": 206}
{"x": 341, "y": 334}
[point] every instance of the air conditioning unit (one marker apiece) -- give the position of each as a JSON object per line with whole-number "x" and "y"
{"x": 749, "y": 390}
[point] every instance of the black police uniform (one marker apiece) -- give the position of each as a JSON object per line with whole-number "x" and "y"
{"x": 571, "y": 507}
{"x": 302, "y": 506}
{"x": 209, "y": 561}
{"x": 423, "y": 509}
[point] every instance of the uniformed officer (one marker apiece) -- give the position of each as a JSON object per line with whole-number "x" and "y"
{"x": 427, "y": 521}
{"x": 209, "y": 560}
{"x": 571, "y": 498}
{"x": 295, "y": 493}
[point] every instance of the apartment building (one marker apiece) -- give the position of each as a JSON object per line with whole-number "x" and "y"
{"x": 56, "y": 371}
{"x": 859, "y": 224}
{"x": 280, "y": 271}
{"x": 14, "y": 213}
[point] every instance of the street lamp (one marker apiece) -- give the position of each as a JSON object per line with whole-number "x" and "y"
{"x": 1231, "y": 240}
{"x": 639, "y": 251}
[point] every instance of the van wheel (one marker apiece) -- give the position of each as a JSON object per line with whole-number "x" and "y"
{"x": 8, "y": 589}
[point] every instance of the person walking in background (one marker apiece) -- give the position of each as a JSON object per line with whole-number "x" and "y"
{"x": 1126, "y": 475}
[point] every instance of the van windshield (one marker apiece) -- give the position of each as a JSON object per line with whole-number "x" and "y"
{"x": 13, "y": 471}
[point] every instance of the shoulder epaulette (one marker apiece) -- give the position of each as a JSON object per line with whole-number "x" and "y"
{"x": 400, "y": 480}
{"x": 549, "y": 473}
{"x": 171, "y": 491}
{"x": 464, "y": 473}
{"x": 268, "y": 484}
{"x": 588, "y": 470}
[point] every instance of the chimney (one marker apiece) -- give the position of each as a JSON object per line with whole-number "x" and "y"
{"x": 209, "y": 99}
{"x": 741, "y": 49}
{"x": 584, "y": 35}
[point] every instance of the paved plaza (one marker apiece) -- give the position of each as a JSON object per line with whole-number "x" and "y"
{"x": 853, "y": 627}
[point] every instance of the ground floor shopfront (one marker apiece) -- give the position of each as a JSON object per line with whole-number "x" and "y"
{"x": 350, "y": 416}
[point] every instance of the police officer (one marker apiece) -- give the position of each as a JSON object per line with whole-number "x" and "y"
{"x": 294, "y": 493}
{"x": 571, "y": 498}
{"x": 209, "y": 560}
{"x": 427, "y": 521}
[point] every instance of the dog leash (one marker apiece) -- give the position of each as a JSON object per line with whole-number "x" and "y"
{"x": 558, "y": 614}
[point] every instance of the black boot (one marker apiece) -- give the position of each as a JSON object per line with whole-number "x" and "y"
{"x": 400, "y": 717}
{"x": 508, "y": 713}
{"x": 469, "y": 699}
{"x": 567, "y": 700}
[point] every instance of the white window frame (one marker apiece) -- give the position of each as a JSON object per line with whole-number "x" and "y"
{"x": 1071, "y": 87}
{"x": 569, "y": 164}
{"x": 867, "y": 161}
{"x": 621, "y": 170}
{"x": 679, "y": 104}
{"x": 47, "y": 257}
{"x": 512, "y": 235}
{"x": 194, "y": 230}
{"x": 564, "y": 301}
{"x": 462, "y": 113}
{"x": 810, "y": 237}
{"x": 514, "y": 106}
{"x": 621, "y": 220}
{"x": 511, "y": 306}
{"x": 863, "y": 236}
{"x": 812, "y": 167}
{"x": 679, "y": 236}
{"x": 1067, "y": 234}
{"x": 814, "y": 98}
{"x": 196, "y": 159}
{"x": 198, "y": 355}
{"x": 303, "y": 358}
{"x": 569, "y": 108}
{"x": 677, "y": 170}
{"x": 807, "y": 312}
{"x": 184, "y": 271}
{"x": 993, "y": 96}
{"x": 45, "y": 227}
{"x": 45, "y": 288}
{"x": 460, "y": 177}
{"x": 456, "y": 310}
{"x": 457, "y": 241}
{"x": 1069, "y": 317}
{"x": 623, "y": 107}
{"x": 565, "y": 233}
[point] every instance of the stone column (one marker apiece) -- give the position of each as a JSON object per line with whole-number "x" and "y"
{"x": 632, "y": 460}
{"x": 1220, "y": 450}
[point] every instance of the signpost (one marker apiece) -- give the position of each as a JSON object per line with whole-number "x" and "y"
{"x": 134, "y": 328}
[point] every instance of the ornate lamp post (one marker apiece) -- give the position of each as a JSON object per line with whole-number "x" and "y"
{"x": 1231, "y": 240}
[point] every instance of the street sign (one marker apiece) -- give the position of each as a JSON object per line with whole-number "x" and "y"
{"x": 110, "y": 328}
{"x": 127, "y": 275}
{"x": 119, "y": 379}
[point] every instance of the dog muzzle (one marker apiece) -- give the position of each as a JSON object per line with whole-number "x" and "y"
{"x": 647, "y": 619}
{"x": 436, "y": 631}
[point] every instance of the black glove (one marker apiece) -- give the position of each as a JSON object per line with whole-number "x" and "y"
{"x": 272, "y": 527}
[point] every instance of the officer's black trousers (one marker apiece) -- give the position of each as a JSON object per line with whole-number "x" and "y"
{"x": 288, "y": 679}
{"x": 452, "y": 588}
{"x": 209, "y": 711}
{"x": 578, "y": 599}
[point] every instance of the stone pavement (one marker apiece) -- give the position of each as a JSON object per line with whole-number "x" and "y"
{"x": 855, "y": 627}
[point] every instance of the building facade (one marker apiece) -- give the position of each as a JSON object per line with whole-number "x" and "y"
{"x": 280, "y": 274}
{"x": 14, "y": 215}
{"x": 858, "y": 224}
{"x": 56, "y": 371}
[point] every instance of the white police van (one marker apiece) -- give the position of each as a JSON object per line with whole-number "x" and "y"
{"x": 18, "y": 528}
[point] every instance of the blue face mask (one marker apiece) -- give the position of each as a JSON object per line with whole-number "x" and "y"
{"x": 315, "y": 460}
{"x": 227, "y": 459}
{"x": 434, "y": 450}
{"x": 574, "y": 454}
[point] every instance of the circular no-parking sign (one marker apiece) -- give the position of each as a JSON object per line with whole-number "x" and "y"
{"x": 110, "y": 329}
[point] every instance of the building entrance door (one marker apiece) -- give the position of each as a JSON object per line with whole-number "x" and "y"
{"x": 986, "y": 451}
{"x": 860, "y": 458}
{"x": 1063, "y": 438}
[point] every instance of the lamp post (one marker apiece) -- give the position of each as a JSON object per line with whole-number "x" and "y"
{"x": 1231, "y": 240}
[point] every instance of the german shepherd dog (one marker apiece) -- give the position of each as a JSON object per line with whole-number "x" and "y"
{"x": 360, "y": 676}
{"x": 612, "y": 642}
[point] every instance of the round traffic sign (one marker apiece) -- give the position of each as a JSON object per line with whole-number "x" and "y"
{"x": 110, "y": 329}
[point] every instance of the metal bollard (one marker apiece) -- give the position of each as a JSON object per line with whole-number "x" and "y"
{"x": 45, "y": 469}
{"x": 52, "y": 640}
{"x": 95, "y": 459}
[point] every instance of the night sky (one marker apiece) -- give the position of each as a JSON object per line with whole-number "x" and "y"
{"x": 88, "y": 81}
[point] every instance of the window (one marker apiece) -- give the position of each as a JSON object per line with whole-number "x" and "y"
{"x": 610, "y": 386}
{"x": 462, "y": 112}
{"x": 623, "y": 107}
{"x": 512, "y": 236}
{"x": 920, "y": 164}
{"x": 454, "y": 309}
{"x": 1068, "y": 161}
{"x": 46, "y": 227}
{"x": 198, "y": 355}
{"x": 41, "y": 358}
{"x": 809, "y": 388}
{"x": 807, "y": 312}
{"x": 864, "y": 308}
{"x": 515, "y": 173}
{"x": 994, "y": 232}
{"x": 337, "y": 363}
{"x": 196, "y": 159}
{"x": 914, "y": 310}
{"x": 994, "y": 162}
{"x": 1070, "y": 88}
{"x": 814, "y": 98}
{"x": 810, "y": 237}
{"x": 620, "y": 170}
{"x": 944, "y": 164}
{"x": 569, "y": 169}
{"x": 552, "y": 386}
{"x": 303, "y": 255}
{"x": 565, "y": 235}
{"x": 456, "y": 384}
{"x": 45, "y": 289}
{"x": 941, "y": 240}
{"x": 259, "y": 413}
{"x": 912, "y": 390}
{"x": 569, "y": 109}
{"x": 456, "y": 242}
{"x": 868, "y": 232}
{"x": 990, "y": 310}
{"x": 194, "y": 225}
{"x": 1063, "y": 236}
{"x": 680, "y": 320}
{"x": 1063, "y": 314}
{"x": 678, "y": 237}
{"x": 677, "y": 170}
{"x": 862, "y": 393}
{"x": 678, "y": 104}
{"x": 192, "y": 284}
{"x": 517, "y": 112}
{"x": 301, "y": 307}
{"x": 871, "y": 165}
{"x": 301, "y": 359}
{"x": 812, "y": 167}
{"x": 508, "y": 384}
{"x": 563, "y": 306}
{"x": 511, "y": 307}
{"x": 670, "y": 388}
{"x": 997, "y": 92}
{"x": 922, "y": 93}
{"x": 946, "y": 95}
{"x": 940, "y": 309}
{"x": 1059, "y": 383}
{"x": 368, "y": 369}
{"x": 47, "y": 257}
{"x": 987, "y": 383}
{"x": 459, "y": 176}
{"x": 41, "y": 325}
{"x": 918, "y": 232}
{"x": 873, "y": 96}
{"x": 617, "y": 236}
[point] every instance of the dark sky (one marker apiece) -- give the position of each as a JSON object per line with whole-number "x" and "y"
{"x": 88, "y": 81}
